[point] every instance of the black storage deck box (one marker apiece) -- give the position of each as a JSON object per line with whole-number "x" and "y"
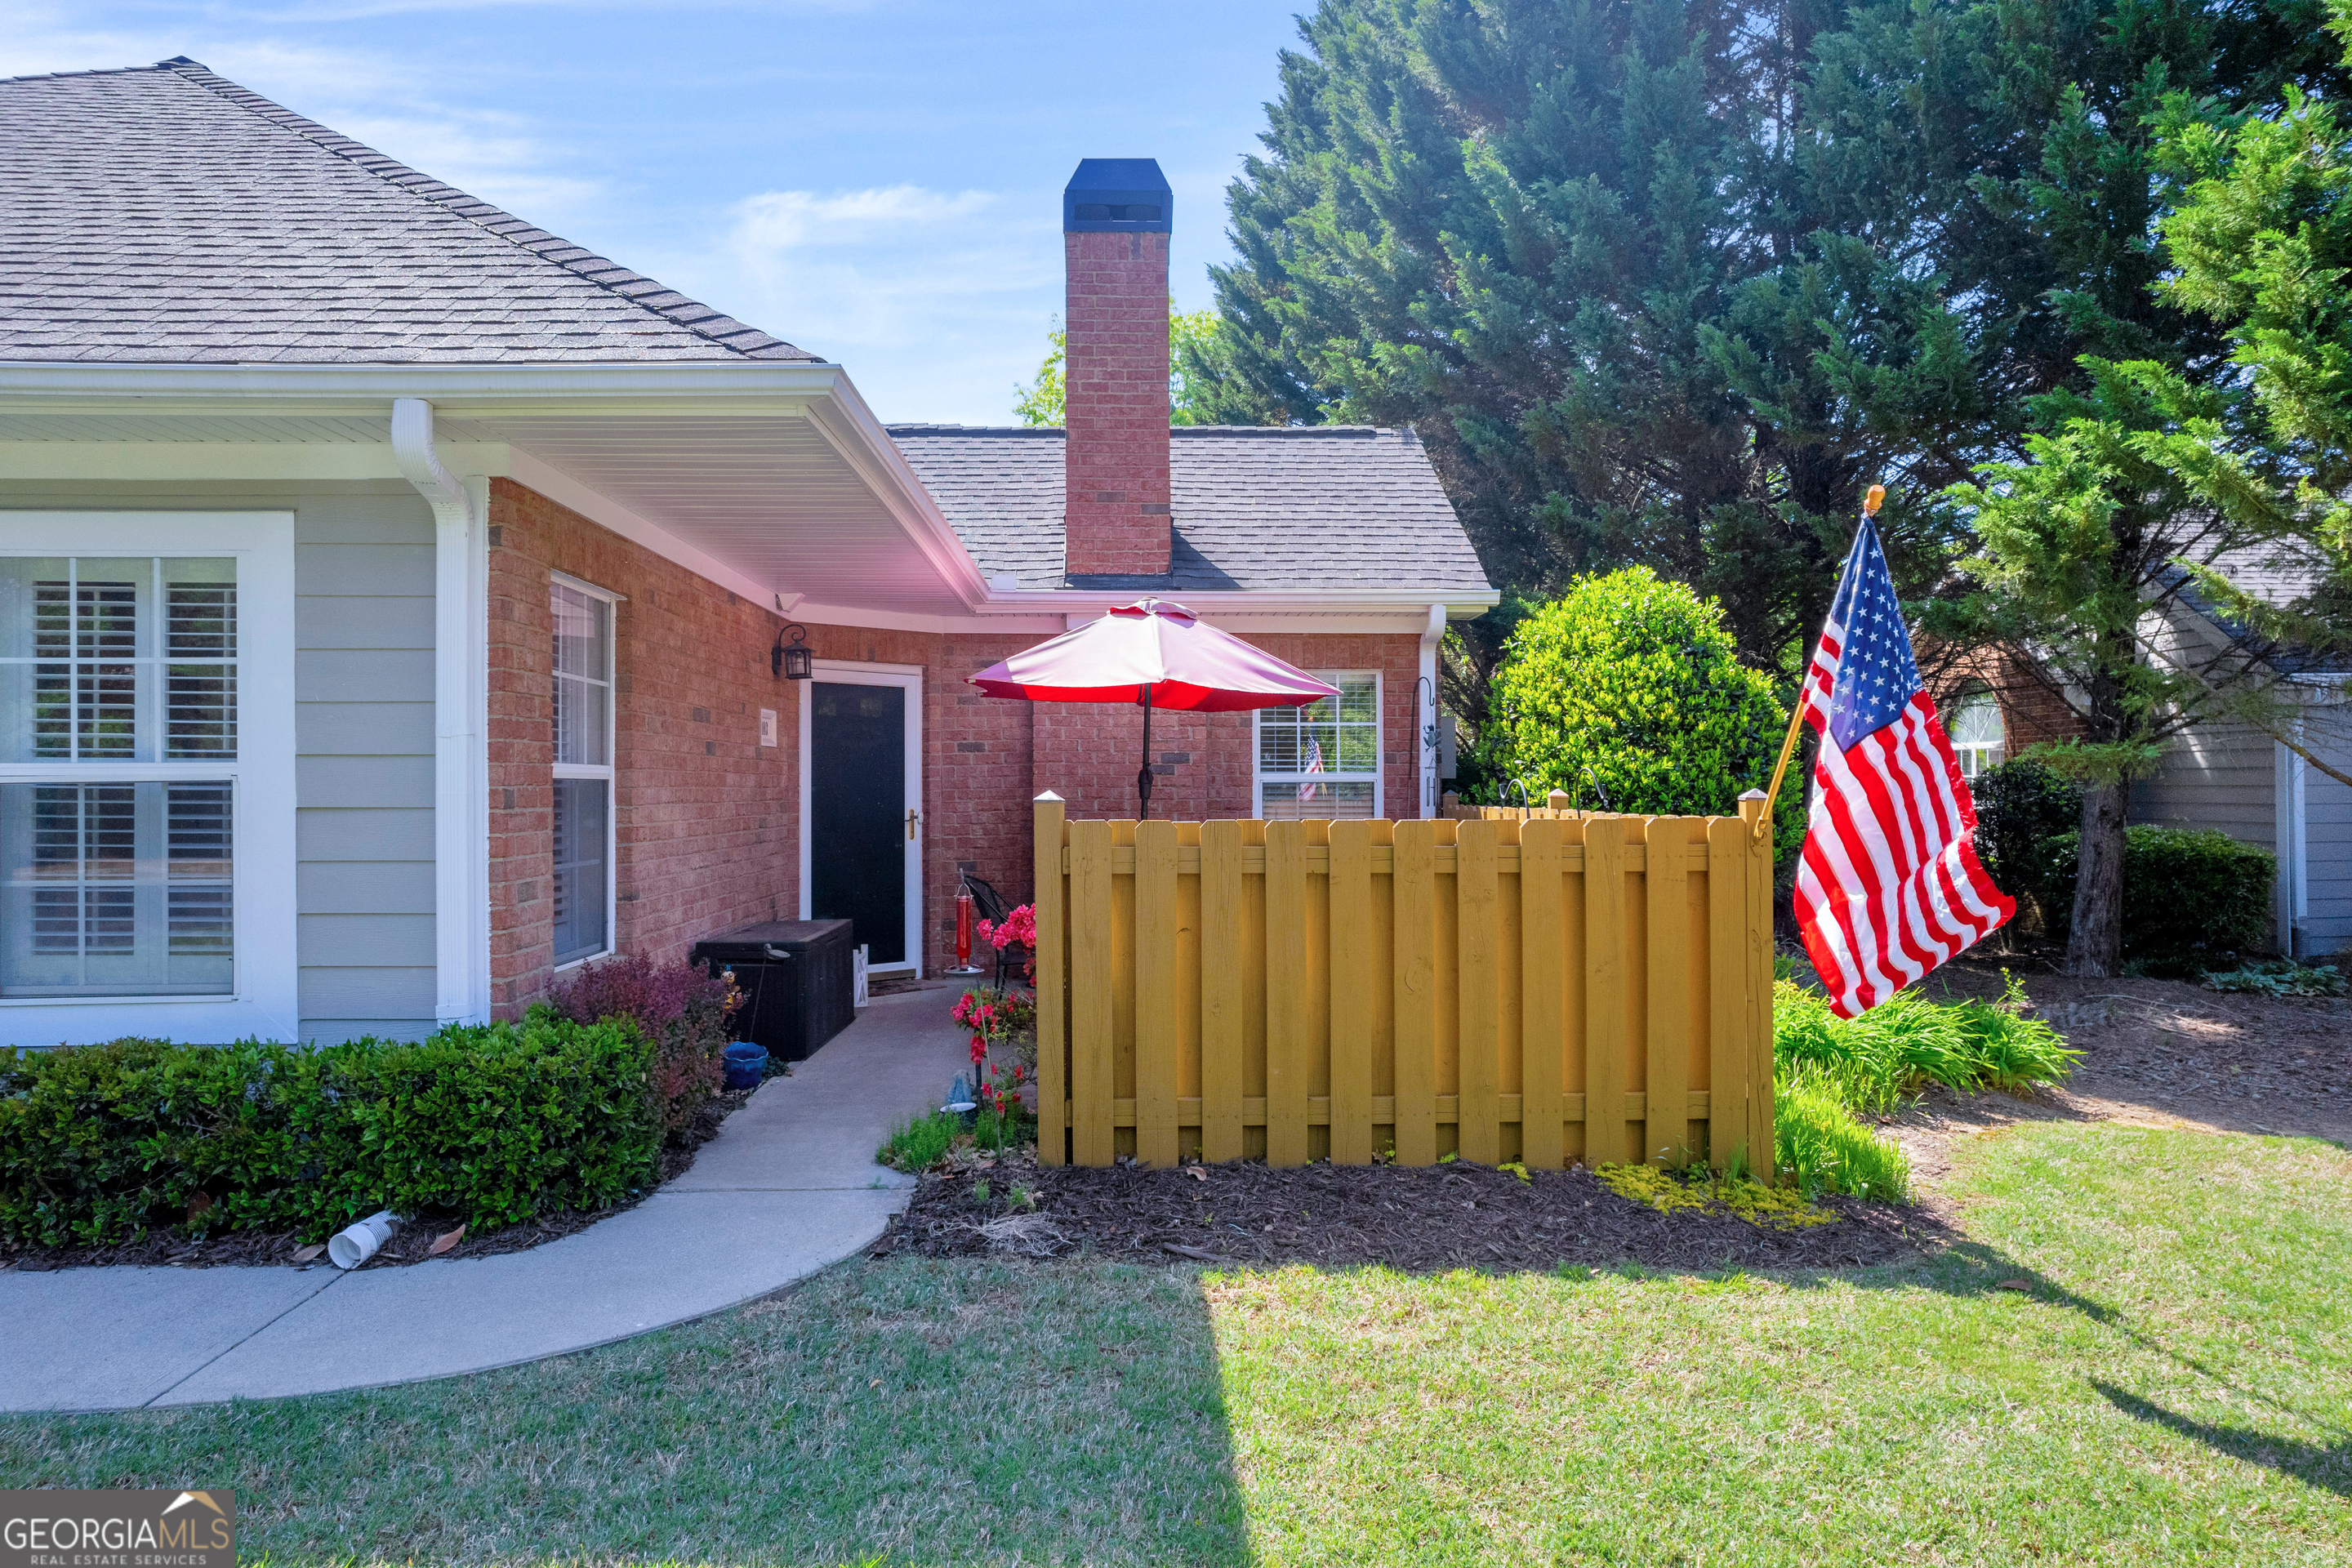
{"x": 796, "y": 980}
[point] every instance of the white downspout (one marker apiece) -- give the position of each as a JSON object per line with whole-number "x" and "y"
{"x": 460, "y": 758}
{"x": 1425, "y": 709}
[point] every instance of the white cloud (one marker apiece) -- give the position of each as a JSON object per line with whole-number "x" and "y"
{"x": 937, "y": 302}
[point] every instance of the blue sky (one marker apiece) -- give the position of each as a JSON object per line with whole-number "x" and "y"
{"x": 877, "y": 182}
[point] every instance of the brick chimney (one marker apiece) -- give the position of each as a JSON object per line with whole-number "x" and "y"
{"x": 1115, "y": 223}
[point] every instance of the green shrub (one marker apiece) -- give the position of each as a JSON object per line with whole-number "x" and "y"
{"x": 1823, "y": 1149}
{"x": 492, "y": 1124}
{"x": 682, "y": 1009}
{"x": 1636, "y": 678}
{"x": 2020, "y": 805}
{"x": 916, "y": 1144}
{"x": 2193, "y": 899}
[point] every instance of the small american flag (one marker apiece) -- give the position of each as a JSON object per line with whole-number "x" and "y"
{"x": 1889, "y": 886}
{"x": 1309, "y": 790}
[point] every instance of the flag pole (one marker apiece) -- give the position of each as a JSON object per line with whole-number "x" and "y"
{"x": 1870, "y": 505}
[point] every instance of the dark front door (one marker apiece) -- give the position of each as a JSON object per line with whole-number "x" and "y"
{"x": 859, "y": 834}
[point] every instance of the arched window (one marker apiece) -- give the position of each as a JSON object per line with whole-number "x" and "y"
{"x": 1975, "y": 731}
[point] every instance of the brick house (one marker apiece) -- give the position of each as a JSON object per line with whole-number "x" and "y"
{"x": 393, "y": 591}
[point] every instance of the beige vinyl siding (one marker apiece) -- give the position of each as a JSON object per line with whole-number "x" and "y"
{"x": 364, "y": 734}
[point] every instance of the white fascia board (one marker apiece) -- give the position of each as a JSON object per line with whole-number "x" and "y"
{"x": 747, "y": 387}
{"x": 261, "y": 460}
{"x": 1401, "y": 609}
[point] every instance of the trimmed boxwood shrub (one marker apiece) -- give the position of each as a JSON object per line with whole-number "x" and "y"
{"x": 1635, "y": 677}
{"x": 490, "y": 1123}
{"x": 2193, "y": 898}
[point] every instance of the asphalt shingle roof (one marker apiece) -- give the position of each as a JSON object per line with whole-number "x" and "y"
{"x": 1314, "y": 507}
{"x": 164, "y": 214}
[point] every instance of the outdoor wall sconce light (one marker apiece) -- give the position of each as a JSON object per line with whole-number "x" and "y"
{"x": 793, "y": 661}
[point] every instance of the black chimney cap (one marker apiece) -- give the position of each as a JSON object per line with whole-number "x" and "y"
{"x": 1117, "y": 196}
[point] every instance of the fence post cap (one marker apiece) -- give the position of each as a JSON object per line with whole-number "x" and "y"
{"x": 1449, "y": 799}
{"x": 1557, "y": 800}
{"x": 1752, "y": 804}
{"x": 1049, "y": 794}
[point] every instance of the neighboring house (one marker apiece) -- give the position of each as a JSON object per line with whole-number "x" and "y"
{"x": 2229, "y": 776}
{"x": 2253, "y": 787}
{"x": 392, "y": 592}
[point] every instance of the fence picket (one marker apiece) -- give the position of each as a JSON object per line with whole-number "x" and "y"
{"x": 1756, "y": 946}
{"x": 1052, "y": 959}
{"x": 1158, "y": 1019}
{"x": 1475, "y": 881}
{"x": 1351, "y": 1033}
{"x": 1544, "y": 993}
{"x": 1285, "y": 999}
{"x": 1222, "y": 977}
{"x": 1667, "y": 905}
{"x": 1416, "y": 992}
{"x": 1606, "y": 1045}
{"x": 1092, "y": 982}
{"x": 1726, "y": 993}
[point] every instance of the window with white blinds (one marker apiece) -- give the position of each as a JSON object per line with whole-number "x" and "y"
{"x": 119, "y": 730}
{"x": 583, "y": 826}
{"x": 1322, "y": 760}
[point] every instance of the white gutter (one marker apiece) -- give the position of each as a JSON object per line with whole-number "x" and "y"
{"x": 1425, "y": 708}
{"x": 461, "y": 785}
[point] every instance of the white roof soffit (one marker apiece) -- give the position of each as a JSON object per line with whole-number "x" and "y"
{"x": 777, "y": 471}
{"x": 775, "y": 478}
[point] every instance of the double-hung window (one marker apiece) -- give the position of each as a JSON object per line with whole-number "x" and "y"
{"x": 142, "y": 753}
{"x": 1322, "y": 760}
{"x": 582, "y": 886}
{"x": 1976, "y": 731}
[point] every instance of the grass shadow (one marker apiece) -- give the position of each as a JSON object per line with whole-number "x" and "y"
{"x": 2324, "y": 1465}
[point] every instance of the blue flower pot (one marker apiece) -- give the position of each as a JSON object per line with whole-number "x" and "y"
{"x": 747, "y": 1064}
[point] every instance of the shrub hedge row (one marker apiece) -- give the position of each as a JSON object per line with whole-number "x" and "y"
{"x": 492, "y": 1124}
{"x": 2193, "y": 899}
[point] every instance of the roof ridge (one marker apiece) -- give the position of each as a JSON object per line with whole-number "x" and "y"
{"x": 654, "y": 297}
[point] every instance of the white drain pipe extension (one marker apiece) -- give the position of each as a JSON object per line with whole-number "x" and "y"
{"x": 1425, "y": 708}
{"x": 356, "y": 1243}
{"x": 461, "y": 791}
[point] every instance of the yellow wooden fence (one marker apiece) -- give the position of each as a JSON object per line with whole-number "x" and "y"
{"x": 1541, "y": 985}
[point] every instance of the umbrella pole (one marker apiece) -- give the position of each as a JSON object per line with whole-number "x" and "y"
{"x": 1143, "y": 774}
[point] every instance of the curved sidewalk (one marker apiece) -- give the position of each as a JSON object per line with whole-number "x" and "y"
{"x": 788, "y": 1186}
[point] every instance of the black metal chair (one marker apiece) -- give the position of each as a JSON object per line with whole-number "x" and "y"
{"x": 993, "y": 909}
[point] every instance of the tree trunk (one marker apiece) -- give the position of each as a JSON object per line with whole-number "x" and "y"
{"x": 2095, "y": 945}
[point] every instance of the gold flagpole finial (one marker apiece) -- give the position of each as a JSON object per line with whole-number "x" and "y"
{"x": 1874, "y": 500}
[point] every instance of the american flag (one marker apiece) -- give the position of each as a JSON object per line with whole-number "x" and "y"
{"x": 1889, "y": 886}
{"x": 1314, "y": 765}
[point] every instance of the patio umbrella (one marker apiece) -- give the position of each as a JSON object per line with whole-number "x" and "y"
{"x": 1155, "y": 655}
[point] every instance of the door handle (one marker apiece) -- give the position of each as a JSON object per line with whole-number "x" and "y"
{"x": 912, "y": 815}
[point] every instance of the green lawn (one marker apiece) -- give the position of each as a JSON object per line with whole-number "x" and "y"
{"x": 2177, "y": 1386}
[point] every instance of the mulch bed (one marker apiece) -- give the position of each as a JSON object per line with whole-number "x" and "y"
{"x": 409, "y": 1244}
{"x": 1422, "y": 1220}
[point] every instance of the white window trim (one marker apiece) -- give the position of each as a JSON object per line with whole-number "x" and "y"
{"x": 1962, "y": 749}
{"x": 605, "y": 772}
{"x": 265, "y": 998}
{"x": 1260, "y": 778}
{"x": 845, "y": 672}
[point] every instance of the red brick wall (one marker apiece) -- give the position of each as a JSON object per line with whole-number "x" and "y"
{"x": 703, "y": 814}
{"x": 707, "y": 821}
{"x": 1115, "y": 462}
{"x": 2032, "y": 707}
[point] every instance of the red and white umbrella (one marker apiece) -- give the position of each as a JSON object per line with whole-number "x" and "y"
{"x": 1157, "y": 654}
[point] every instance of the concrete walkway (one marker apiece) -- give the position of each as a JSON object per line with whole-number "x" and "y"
{"x": 788, "y": 1186}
